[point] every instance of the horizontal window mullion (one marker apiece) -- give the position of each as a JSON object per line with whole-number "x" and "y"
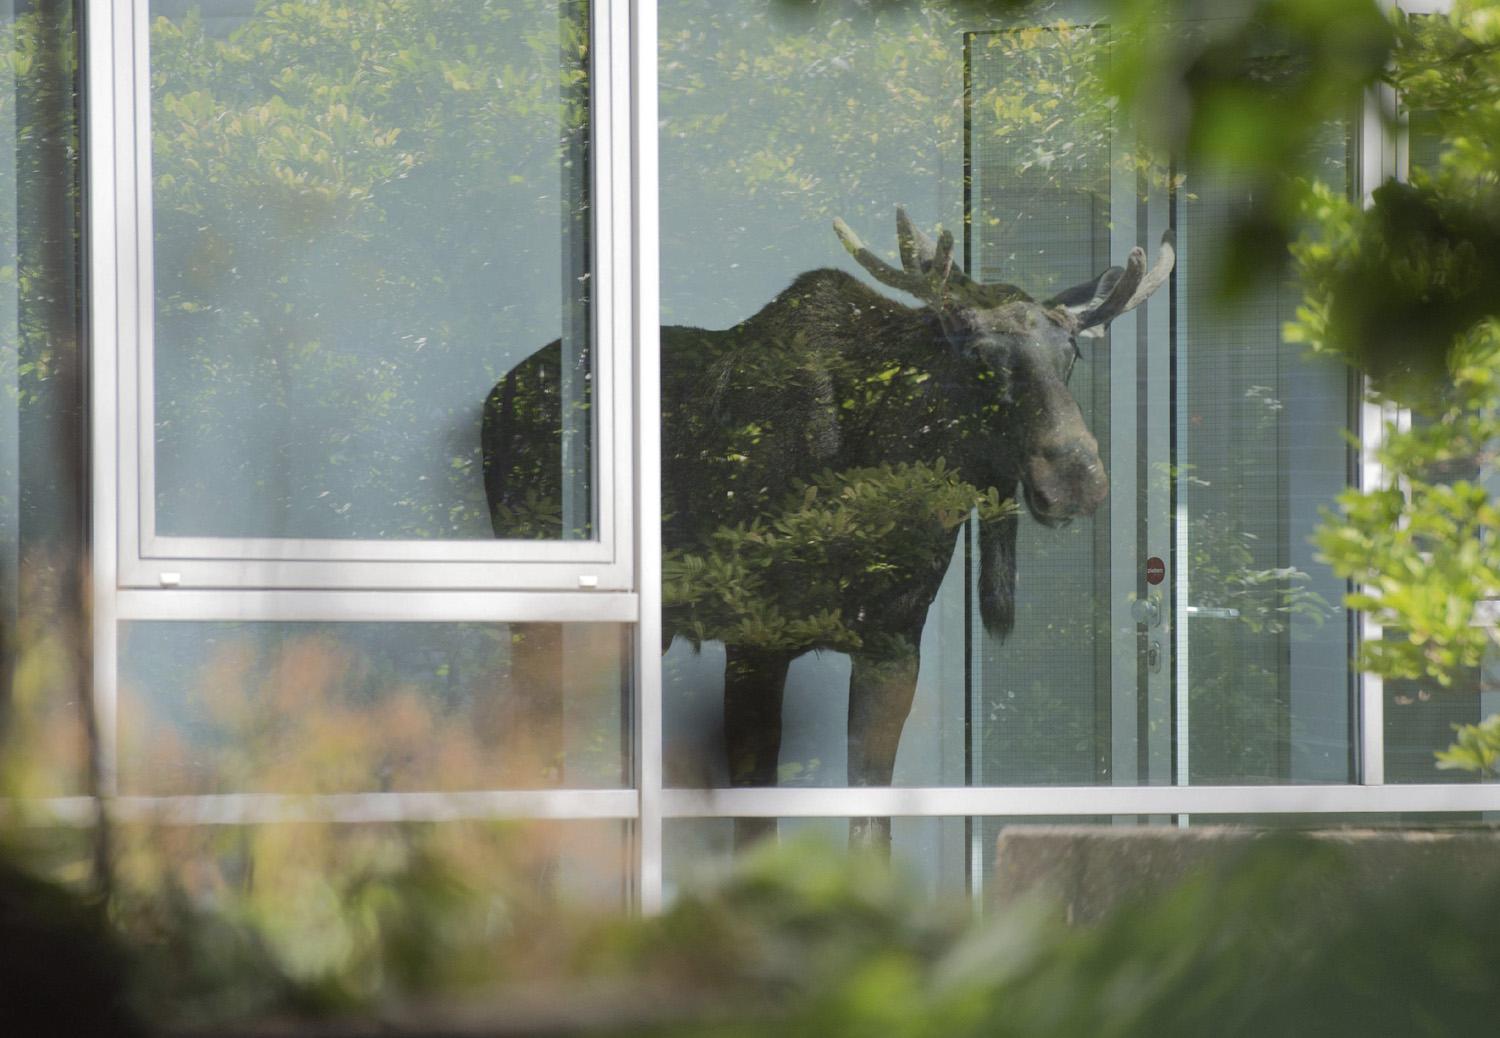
{"x": 344, "y": 808}
{"x": 354, "y": 575}
{"x": 1074, "y": 800}
{"x": 378, "y": 606}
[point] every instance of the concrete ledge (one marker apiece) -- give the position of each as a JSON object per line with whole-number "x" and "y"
{"x": 1090, "y": 870}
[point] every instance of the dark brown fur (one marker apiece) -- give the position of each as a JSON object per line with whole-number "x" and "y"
{"x": 832, "y": 376}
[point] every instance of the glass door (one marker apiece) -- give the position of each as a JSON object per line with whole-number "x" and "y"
{"x": 1185, "y": 632}
{"x": 1259, "y": 431}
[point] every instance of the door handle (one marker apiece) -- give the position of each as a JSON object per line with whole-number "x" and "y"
{"x": 1213, "y": 612}
{"x": 1146, "y": 611}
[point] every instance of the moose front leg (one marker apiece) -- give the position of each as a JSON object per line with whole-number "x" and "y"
{"x": 880, "y": 697}
{"x": 754, "y": 683}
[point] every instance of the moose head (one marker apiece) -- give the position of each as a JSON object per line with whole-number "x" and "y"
{"x": 1032, "y": 346}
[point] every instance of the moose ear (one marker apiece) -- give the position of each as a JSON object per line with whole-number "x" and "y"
{"x": 1082, "y": 298}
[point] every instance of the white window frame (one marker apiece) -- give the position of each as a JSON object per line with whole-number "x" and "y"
{"x": 123, "y": 315}
{"x": 141, "y": 577}
{"x": 128, "y": 580}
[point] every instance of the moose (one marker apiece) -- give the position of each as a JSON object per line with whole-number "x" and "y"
{"x": 817, "y": 460}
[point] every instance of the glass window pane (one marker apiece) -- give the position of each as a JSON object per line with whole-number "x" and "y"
{"x": 1421, "y": 718}
{"x": 913, "y": 525}
{"x": 948, "y": 858}
{"x": 367, "y": 707}
{"x": 44, "y": 679}
{"x": 953, "y": 857}
{"x": 532, "y": 866}
{"x": 1263, "y": 452}
{"x": 224, "y": 916}
{"x": 365, "y": 215}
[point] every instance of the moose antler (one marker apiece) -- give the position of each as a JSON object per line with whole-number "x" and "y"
{"x": 1133, "y": 286}
{"x": 930, "y": 273}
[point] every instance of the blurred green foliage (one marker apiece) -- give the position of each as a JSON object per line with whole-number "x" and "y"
{"x": 1276, "y": 939}
{"x": 1277, "y": 944}
{"x": 314, "y": 918}
{"x": 1248, "y": 85}
{"x": 1250, "y": 89}
{"x": 1280, "y": 937}
{"x": 1408, "y": 288}
{"x": 1477, "y": 749}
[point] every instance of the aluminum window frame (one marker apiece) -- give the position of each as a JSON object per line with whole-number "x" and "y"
{"x": 209, "y": 579}
{"x": 127, "y": 582}
{"x": 123, "y": 345}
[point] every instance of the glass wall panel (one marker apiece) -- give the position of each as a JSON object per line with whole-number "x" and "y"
{"x": 948, "y": 858}
{"x": 512, "y": 868}
{"x": 921, "y": 529}
{"x": 1421, "y": 717}
{"x": 44, "y": 671}
{"x": 1447, "y": 821}
{"x": 363, "y": 707}
{"x": 366, "y": 213}
{"x": 1262, "y": 449}
{"x": 1041, "y": 215}
{"x": 226, "y": 915}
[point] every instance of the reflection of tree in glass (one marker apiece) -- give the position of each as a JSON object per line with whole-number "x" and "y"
{"x": 44, "y": 664}
{"x": 893, "y": 74}
{"x": 778, "y": 117}
{"x": 354, "y": 708}
{"x": 1244, "y": 726}
{"x": 336, "y": 195}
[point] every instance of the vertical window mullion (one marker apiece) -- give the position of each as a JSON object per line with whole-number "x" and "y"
{"x": 107, "y": 128}
{"x": 1381, "y": 145}
{"x": 646, "y": 333}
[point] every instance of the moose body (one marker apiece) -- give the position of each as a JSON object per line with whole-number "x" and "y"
{"x": 817, "y": 460}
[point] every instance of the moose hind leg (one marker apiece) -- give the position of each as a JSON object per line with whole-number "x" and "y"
{"x": 754, "y": 683}
{"x": 880, "y": 697}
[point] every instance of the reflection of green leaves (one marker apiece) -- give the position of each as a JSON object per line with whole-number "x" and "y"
{"x": 333, "y": 183}
{"x": 785, "y": 580}
{"x": 836, "y": 102}
{"x": 536, "y": 516}
{"x": 1266, "y": 600}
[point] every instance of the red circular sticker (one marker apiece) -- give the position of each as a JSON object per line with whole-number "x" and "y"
{"x": 1156, "y": 570}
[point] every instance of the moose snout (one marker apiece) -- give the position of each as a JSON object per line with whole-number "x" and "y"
{"x": 1063, "y": 480}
